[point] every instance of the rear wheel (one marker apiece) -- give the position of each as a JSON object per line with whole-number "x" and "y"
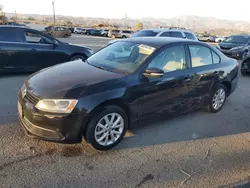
{"x": 113, "y": 36}
{"x": 124, "y": 37}
{"x": 107, "y": 128}
{"x": 217, "y": 100}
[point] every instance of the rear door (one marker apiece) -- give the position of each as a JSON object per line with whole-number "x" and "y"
{"x": 206, "y": 70}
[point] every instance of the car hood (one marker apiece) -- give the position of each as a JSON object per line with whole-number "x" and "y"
{"x": 230, "y": 45}
{"x": 67, "y": 80}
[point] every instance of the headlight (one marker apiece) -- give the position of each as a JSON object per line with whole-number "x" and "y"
{"x": 237, "y": 48}
{"x": 57, "y": 105}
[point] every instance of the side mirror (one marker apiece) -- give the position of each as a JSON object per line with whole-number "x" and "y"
{"x": 153, "y": 72}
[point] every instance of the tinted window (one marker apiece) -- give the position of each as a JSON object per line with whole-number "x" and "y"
{"x": 216, "y": 58}
{"x": 170, "y": 59}
{"x": 10, "y": 35}
{"x": 176, "y": 34}
{"x": 237, "y": 39}
{"x": 200, "y": 55}
{"x": 190, "y": 36}
{"x": 33, "y": 37}
{"x": 145, "y": 33}
{"x": 126, "y": 31}
{"x": 165, "y": 34}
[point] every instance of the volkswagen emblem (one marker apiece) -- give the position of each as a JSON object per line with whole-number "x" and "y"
{"x": 23, "y": 93}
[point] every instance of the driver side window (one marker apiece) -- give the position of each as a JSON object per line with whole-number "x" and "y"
{"x": 35, "y": 38}
{"x": 170, "y": 59}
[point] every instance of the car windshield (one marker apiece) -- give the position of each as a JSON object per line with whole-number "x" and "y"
{"x": 237, "y": 39}
{"x": 121, "y": 57}
{"x": 145, "y": 33}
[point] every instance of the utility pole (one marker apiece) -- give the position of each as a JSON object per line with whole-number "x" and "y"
{"x": 15, "y": 15}
{"x": 54, "y": 14}
{"x": 194, "y": 22}
{"x": 126, "y": 17}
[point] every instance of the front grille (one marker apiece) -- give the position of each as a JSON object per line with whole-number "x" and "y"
{"x": 32, "y": 98}
{"x": 225, "y": 48}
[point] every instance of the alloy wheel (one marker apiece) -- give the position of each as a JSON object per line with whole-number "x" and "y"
{"x": 219, "y": 99}
{"x": 109, "y": 129}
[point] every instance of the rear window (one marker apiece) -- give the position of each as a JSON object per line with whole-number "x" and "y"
{"x": 146, "y": 33}
{"x": 116, "y": 31}
{"x": 10, "y": 35}
{"x": 190, "y": 36}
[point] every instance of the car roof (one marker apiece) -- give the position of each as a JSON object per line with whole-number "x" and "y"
{"x": 166, "y": 29}
{"x": 160, "y": 41}
{"x": 11, "y": 26}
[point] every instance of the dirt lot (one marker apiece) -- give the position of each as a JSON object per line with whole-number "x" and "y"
{"x": 198, "y": 149}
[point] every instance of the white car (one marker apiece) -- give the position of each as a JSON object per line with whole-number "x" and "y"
{"x": 163, "y": 32}
{"x": 220, "y": 39}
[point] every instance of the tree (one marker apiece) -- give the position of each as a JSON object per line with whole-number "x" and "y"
{"x": 69, "y": 23}
{"x": 3, "y": 18}
{"x": 31, "y": 18}
{"x": 140, "y": 26}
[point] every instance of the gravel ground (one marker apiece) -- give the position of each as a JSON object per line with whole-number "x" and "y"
{"x": 198, "y": 149}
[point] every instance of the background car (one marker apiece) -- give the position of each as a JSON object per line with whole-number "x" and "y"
{"x": 27, "y": 50}
{"x": 58, "y": 32}
{"x": 235, "y": 46}
{"x": 104, "y": 32}
{"x": 96, "y": 32}
{"x": 220, "y": 39}
{"x": 163, "y": 32}
{"x": 126, "y": 82}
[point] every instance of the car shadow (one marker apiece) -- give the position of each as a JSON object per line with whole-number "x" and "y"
{"x": 233, "y": 119}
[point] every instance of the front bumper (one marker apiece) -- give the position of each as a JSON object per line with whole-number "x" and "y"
{"x": 49, "y": 127}
{"x": 233, "y": 54}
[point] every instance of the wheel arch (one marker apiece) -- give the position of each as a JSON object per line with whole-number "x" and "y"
{"x": 99, "y": 108}
{"x": 227, "y": 84}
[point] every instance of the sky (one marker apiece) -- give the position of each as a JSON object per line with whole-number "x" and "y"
{"x": 221, "y": 9}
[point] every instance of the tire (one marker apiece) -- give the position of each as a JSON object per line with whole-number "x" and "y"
{"x": 124, "y": 37}
{"x": 77, "y": 57}
{"x": 243, "y": 72}
{"x": 210, "y": 107}
{"x": 92, "y": 128}
{"x": 113, "y": 36}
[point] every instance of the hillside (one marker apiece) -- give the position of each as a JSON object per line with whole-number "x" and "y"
{"x": 196, "y": 23}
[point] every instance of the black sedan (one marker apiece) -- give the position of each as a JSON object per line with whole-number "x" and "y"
{"x": 27, "y": 50}
{"x": 121, "y": 85}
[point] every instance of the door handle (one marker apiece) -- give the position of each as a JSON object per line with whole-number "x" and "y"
{"x": 187, "y": 78}
{"x": 216, "y": 72}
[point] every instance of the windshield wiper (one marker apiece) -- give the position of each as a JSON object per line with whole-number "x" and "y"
{"x": 98, "y": 66}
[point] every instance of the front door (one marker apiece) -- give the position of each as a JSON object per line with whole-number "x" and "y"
{"x": 169, "y": 92}
{"x": 44, "y": 52}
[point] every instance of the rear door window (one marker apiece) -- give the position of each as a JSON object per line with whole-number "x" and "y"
{"x": 176, "y": 34}
{"x": 10, "y": 35}
{"x": 190, "y": 36}
{"x": 146, "y": 33}
{"x": 165, "y": 34}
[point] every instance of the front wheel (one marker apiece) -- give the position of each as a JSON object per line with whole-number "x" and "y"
{"x": 77, "y": 57}
{"x": 217, "y": 99}
{"x": 107, "y": 128}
